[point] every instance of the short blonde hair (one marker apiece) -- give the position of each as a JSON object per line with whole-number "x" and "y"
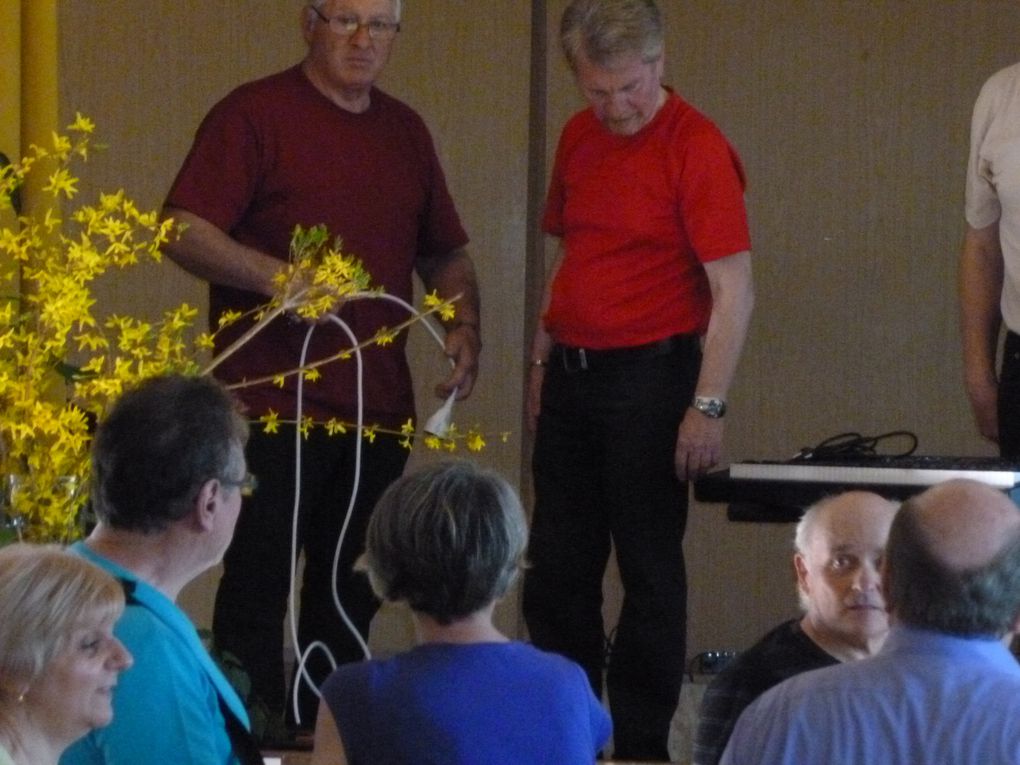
{"x": 46, "y": 593}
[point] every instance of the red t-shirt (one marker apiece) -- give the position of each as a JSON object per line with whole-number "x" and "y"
{"x": 638, "y": 215}
{"x": 276, "y": 153}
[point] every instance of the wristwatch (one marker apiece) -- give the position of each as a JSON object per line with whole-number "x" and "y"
{"x": 710, "y": 407}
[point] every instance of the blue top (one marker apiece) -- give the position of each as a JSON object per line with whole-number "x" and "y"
{"x": 454, "y": 704}
{"x": 166, "y": 707}
{"x": 925, "y": 698}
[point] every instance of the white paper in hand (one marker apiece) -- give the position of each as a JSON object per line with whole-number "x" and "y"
{"x": 439, "y": 423}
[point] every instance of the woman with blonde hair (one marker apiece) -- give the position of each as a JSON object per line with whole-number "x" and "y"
{"x": 59, "y": 659}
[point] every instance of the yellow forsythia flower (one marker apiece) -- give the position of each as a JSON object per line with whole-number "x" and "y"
{"x": 307, "y": 423}
{"x": 475, "y": 442}
{"x": 270, "y": 422}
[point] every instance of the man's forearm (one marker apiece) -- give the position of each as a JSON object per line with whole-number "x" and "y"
{"x": 980, "y": 287}
{"x": 732, "y": 304}
{"x": 205, "y": 251}
{"x": 451, "y": 275}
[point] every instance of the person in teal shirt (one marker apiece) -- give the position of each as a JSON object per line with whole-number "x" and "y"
{"x": 168, "y": 475}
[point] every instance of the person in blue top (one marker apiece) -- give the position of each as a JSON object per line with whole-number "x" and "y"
{"x": 449, "y": 541}
{"x": 168, "y": 473}
{"x": 944, "y": 688}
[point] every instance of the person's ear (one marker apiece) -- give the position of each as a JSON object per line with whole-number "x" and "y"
{"x": 801, "y": 567}
{"x": 307, "y": 22}
{"x": 206, "y": 504}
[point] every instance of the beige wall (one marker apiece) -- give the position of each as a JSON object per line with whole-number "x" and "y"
{"x": 851, "y": 118}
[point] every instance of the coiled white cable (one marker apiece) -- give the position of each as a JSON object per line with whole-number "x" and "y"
{"x": 301, "y": 673}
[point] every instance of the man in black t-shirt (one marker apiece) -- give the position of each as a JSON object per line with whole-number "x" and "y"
{"x": 839, "y": 545}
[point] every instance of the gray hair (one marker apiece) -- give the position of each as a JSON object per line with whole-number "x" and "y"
{"x": 924, "y": 592}
{"x": 805, "y": 527}
{"x": 802, "y": 539}
{"x": 448, "y": 539}
{"x": 605, "y": 30}
{"x": 46, "y": 593}
{"x": 159, "y": 443}
{"x": 396, "y": 6}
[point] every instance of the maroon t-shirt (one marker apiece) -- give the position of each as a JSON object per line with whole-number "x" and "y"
{"x": 275, "y": 154}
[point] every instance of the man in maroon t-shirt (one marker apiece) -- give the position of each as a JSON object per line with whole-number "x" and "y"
{"x": 319, "y": 144}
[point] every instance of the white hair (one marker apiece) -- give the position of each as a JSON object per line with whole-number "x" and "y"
{"x": 806, "y": 525}
{"x": 396, "y": 6}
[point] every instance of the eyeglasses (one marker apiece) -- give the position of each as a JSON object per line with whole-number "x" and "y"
{"x": 246, "y": 485}
{"x": 348, "y": 26}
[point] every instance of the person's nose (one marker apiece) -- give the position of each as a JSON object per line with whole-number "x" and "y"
{"x": 867, "y": 578}
{"x": 360, "y": 37}
{"x": 615, "y": 106}
{"x": 120, "y": 657}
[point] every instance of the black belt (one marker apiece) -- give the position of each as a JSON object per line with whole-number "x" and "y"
{"x": 590, "y": 359}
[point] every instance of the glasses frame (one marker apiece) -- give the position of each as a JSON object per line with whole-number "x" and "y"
{"x": 348, "y": 26}
{"x": 247, "y": 485}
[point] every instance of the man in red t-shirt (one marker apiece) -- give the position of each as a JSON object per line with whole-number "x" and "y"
{"x": 318, "y": 144}
{"x": 643, "y": 323}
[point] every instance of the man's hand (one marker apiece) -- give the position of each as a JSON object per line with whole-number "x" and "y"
{"x": 463, "y": 345}
{"x": 698, "y": 445}
{"x": 984, "y": 402}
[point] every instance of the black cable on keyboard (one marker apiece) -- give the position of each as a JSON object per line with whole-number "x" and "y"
{"x": 854, "y": 446}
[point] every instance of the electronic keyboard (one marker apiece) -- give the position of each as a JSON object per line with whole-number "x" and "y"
{"x": 911, "y": 470}
{"x": 778, "y": 491}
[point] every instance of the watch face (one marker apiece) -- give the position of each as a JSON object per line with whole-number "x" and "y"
{"x": 710, "y": 407}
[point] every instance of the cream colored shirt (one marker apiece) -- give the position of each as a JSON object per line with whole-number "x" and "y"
{"x": 993, "y": 177}
{"x": 5, "y": 758}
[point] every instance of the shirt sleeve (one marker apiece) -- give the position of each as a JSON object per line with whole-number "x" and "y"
{"x": 219, "y": 176}
{"x": 981, "y": 206}
{"x": 725, "y": 698}
{"x": 711, "y": 196}
{"x": 552, "y": 216}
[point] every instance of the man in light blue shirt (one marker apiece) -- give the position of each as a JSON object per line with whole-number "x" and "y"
{"x": 944, "y": 688}
{"x": 168, "y": 472}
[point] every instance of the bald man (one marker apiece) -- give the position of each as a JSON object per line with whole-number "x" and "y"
{"x": 944, "y": 688}
{"x": 838, "y": 550}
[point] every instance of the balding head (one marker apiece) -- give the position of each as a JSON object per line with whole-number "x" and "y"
{"x": 850, "y": 512}
{"x": 953, "y": 562}
{"x": 840, "y": 543}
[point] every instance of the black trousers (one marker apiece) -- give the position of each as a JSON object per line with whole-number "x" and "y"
{"x": 604, "y": 475}
{"x": 251, "y": 602}
{"x": 1009, "y": 398}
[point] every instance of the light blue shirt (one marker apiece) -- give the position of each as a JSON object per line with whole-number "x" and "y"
{"x": 166, "y": 707}
{"x": 924, "y": 699}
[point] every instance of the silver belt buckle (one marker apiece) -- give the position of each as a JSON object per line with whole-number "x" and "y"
{"x": 569, "y": 356}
